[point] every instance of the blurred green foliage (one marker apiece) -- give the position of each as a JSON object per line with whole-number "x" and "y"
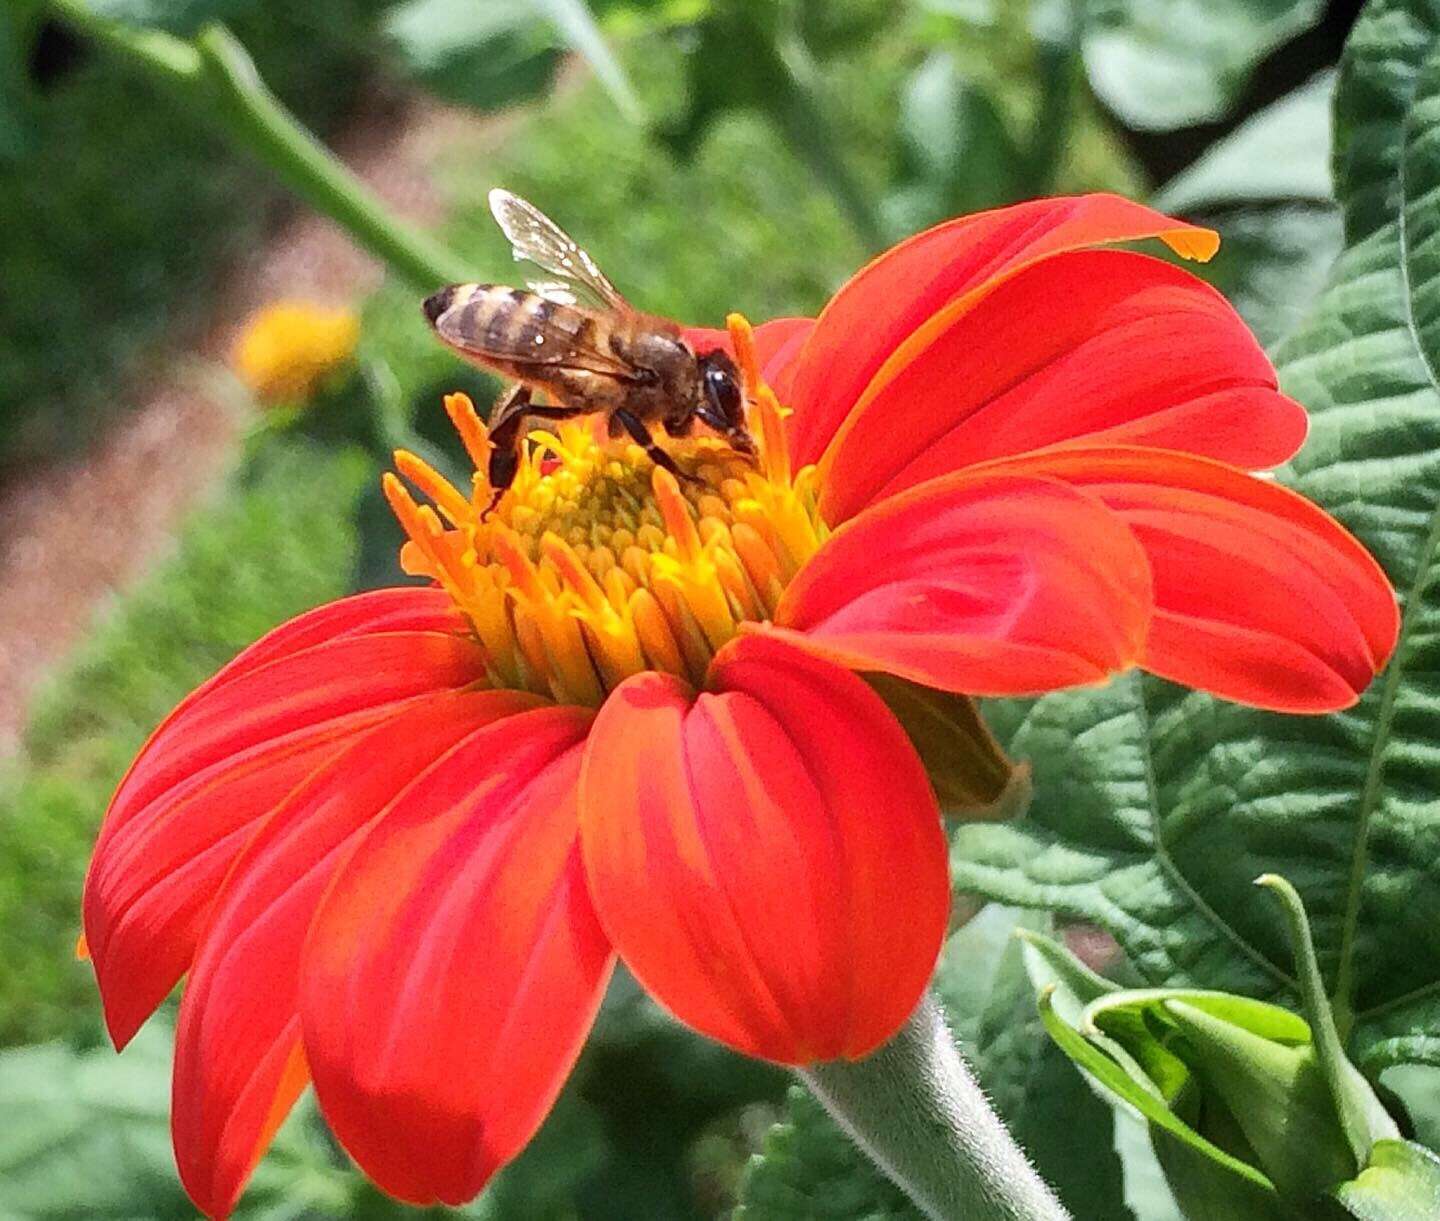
{"x": 122, "y": 215}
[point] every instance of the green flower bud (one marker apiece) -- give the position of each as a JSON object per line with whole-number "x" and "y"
{"x": 1276, "y": 1095}
{"x": 1254, "y": 1111}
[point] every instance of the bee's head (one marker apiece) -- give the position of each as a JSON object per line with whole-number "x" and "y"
{"x": 722, "y": 400}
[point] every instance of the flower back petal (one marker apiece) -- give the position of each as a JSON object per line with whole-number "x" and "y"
{"x": 977, "y": 583}
{"x": 1260, "y": 597}
{"x": 948, "y": 266}
{"x": 1098, "y": 345}
{"x": 767, "y": 856}
{"x": 455, "y": 964}
{"x": 238, "y": 1059}
{"x": 213, "y": 769}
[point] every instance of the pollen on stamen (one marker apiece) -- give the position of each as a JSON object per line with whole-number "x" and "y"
{"x": 596, "y": 564}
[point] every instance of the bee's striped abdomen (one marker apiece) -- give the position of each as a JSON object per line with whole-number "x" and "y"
{"x": 508, "y": 323}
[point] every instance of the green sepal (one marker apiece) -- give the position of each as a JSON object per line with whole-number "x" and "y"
{"x": 1278, "y": 1096}
{"x": 1077, "y": 981}
{"x": 973, "y": 778}
{"x": 1141, "y": 1094}
{"x": 1361, "y": 1114}
{"x": 1401, "y": 1183}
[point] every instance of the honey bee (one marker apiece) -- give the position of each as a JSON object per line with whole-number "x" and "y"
{"x": 607, "y": 356}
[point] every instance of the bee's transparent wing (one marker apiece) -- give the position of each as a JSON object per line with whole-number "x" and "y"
{"x": 553, "y": 290}
{"x": 534, "y": 236}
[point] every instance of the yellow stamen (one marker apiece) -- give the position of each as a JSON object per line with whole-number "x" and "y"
{"x": 773, "y": 442}
{"x": 676, "y": 512}
{"x": 742, "y": 339}
{"x": 434, "y": 485}
{"x": 473, "y": 433}
{"x": 654, "y": 633}
{"x": 597, "y": 564}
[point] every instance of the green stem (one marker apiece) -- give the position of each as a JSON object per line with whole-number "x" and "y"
{"x": 256, "y": 118}
{"x": 214, "y": 75}
{"x": 916, "y": 1109}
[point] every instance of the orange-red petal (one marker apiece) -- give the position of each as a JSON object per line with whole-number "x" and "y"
{"x": 403, "y": 608}
{"x": 220, "y": 763}
{"x": 238, "y": 1060}
{"x": 977, "y": 583}
{"x": 455, "y": 965}
{"x": 948, "y": 267}
{"x": 1102, "y": 346}
{"x": 1260, "y": 597}
{"x": 766, "y": 856}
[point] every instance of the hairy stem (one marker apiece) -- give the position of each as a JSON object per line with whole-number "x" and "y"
{"x": 917, "y": 1111}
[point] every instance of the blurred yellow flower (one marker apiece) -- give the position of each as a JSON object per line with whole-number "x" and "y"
{"x": 289, "y": 348}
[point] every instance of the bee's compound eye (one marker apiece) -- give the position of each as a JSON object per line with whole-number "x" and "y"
{"x": 723, "y": 388}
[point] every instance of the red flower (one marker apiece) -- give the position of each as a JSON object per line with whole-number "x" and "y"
{"x": 398, "y": 843}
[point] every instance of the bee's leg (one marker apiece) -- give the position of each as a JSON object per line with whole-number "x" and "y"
{"x": 507, "y": 418}
{"x": 679, "y": 425}
{"x": 641, "y": 436}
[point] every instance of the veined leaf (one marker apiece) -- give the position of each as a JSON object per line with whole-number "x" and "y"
{"x": 88, "y": 1134}
{"x": 1163, "y": 64}
{"x": 1402, "y": 1183}
{"x": 1282, "y": 153}
{"x": 1155, "y": 808}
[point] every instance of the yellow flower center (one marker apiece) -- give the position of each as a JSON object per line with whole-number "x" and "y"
{"x": 598, "y": 564}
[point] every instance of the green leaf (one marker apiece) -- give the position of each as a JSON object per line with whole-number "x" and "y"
{"x": 487, "y": 56}
{"x": 1282, "y": 153}
{"x": 1361, "y": 1114}
{"x": 1267, "y": 187}
{"x": 1147, "y": 1193}
{"x": 1151, "y": 1106}
{"x": 809, "y": 1170}
{"x": 88, "y": 1134}
{"x": 1401, "y": 1183}
{"x": 183, "y": 17}
{"x": 19, "y": 22}
{"x": 1407, "y": 1031}
{"x": 1274, "y": 262}
{"x": 1279, "y": 1097}
{"x": 748, "y": 55}
{"x": 576, "y": 24}
{"x": 1155, "y": 807}
{"x": 1163, "y": 64}
{"x": 958, "y": 155}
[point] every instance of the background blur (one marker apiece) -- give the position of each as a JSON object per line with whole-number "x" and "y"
{"x": 155, "y": 516}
